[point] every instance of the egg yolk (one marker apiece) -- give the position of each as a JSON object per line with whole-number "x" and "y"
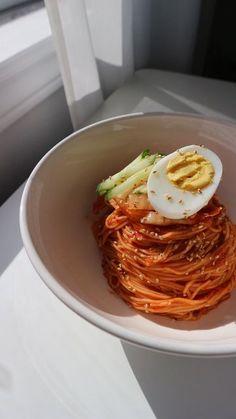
{"x": 190, "y": 171}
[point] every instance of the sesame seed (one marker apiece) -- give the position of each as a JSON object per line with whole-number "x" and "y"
{"x": 146, "y": 308}
{"x": 181, "y": 201}
{"x": 168, "y": 197}
{"x": 152, "y": 191}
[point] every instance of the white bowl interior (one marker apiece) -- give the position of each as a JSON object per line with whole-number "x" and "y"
{"x": 56, "y": 225}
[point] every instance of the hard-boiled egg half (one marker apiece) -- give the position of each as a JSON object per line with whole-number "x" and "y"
{"x": 183, "y": 182}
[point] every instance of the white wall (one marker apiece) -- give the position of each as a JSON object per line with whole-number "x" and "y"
{"x": 29, "y": 138}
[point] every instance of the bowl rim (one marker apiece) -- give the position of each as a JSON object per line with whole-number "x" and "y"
{"x": 172, "y": 346}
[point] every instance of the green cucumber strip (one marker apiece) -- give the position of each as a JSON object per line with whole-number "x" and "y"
{"x": 143, "y": 160}
{"x": 140, "y": 190}
{"x": 123, "y": 189}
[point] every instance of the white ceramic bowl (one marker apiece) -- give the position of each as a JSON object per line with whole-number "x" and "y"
{"x": 56, "y": 227}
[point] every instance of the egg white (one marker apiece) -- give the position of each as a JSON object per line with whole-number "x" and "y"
{"x": 159, "y": 187}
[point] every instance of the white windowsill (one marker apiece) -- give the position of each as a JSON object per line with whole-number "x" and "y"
{"x": 29, "y": 70}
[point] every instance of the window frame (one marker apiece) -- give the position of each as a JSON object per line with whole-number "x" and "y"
{"x": 29, "y": 70}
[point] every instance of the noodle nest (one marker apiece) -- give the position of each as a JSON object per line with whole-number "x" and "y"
{"x": 180, "y": 270}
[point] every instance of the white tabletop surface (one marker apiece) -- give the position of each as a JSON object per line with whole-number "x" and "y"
{"x": 54, "y": 365}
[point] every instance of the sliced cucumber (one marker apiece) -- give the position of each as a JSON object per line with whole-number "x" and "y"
{"x": 144, "y": 160}
{"x": 140, "y": 190}
{"x": 124, "y": 188}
